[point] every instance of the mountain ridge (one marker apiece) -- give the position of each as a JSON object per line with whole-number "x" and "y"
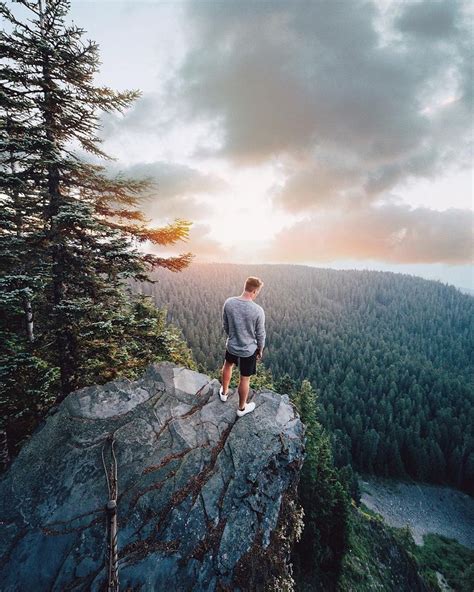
{"x": 390, "y": 355}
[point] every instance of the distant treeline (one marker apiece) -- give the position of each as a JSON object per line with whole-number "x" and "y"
{"x": 390, "y": 356}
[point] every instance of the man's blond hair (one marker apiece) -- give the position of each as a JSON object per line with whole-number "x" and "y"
{"x": 253, "y": 283}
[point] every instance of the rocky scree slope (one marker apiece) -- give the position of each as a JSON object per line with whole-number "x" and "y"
{"x": 206, "y": 500}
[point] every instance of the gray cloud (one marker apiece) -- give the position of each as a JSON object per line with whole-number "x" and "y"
{"x": 150, "y": 113}
{"x": 310, "y": 79}
{"x": 176, "y": 189}
{"x": 327, "y": 183}
{"x": 391, "y": 233}
{"x": 348, "y": 101}
{"x": 436, "y": 20}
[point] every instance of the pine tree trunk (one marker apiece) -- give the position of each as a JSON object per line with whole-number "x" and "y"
{"x": 64, "y": 337}
{"x": 19, "y": 223}
{"x": 4, "y": 454}
{"x": 29, "y": 320}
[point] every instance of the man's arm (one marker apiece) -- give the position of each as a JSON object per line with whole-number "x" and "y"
{"x": 260, "y": 332}
{"x": 225, "y": 321}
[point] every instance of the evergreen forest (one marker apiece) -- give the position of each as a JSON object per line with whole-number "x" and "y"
{"x": 379, "y": 365}
{"x": 390, "y": 356}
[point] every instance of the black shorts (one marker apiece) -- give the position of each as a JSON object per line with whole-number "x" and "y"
{"x": 247, "y": 365}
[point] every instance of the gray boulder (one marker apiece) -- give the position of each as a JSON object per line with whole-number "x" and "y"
{"x": 206, "y": 500}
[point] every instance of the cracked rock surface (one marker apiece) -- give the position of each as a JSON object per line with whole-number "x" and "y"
{"x": 197, "y": 486}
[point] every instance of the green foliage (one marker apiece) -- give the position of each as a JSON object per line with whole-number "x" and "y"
{"x": 285, "y": 384}
{"x": 351, "y": 482}
{"x": 390, "y": 355}
{"x": 263, "y": 379}
{"x": 123, "y": 342}
{"x": 467, "y": 580}
{"x": 324, "y": 498}
{"x": 29, "y": 387}
{"x": 380, "y": 558}
{"x": 453, "y": 560}
{"x": 68, "y": 232}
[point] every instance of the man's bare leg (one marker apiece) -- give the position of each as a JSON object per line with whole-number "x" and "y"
{"x": 226, "y": 375}
{"x": 244, "y": 386}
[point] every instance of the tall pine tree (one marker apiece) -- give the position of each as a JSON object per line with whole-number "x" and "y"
{"x": 68, "y": 232}
{"x": 325, "y": 499}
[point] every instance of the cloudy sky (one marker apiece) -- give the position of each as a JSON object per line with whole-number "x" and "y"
{"x": 335, "y": 133}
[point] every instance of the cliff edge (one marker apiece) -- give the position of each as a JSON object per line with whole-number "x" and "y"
{"x": 204, "y": 500}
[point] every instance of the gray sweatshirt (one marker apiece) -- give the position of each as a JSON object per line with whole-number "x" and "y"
{"x": 244, "y": 323}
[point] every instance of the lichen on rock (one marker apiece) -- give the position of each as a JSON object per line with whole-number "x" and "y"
{"x": 201, "y": 493}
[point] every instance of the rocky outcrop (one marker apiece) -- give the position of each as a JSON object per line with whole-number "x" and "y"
{"x": 205, "y": 499}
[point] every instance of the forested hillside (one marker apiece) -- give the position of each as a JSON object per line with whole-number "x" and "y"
{"x": 390, "y": 355}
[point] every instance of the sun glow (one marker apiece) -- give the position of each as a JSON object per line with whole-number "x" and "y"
{"x": 243, "y": 214}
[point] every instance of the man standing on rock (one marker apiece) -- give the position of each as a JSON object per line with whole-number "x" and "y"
{"x": 244, "y": 324}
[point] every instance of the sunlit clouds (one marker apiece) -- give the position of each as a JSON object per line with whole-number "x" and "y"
{"x": 392, "y": 233}
{"x": 307, "y": 132}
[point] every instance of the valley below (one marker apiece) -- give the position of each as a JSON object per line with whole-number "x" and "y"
{"x": 424, "y": 508}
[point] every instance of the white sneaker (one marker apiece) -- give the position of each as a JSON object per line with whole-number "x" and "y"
{"x": 222, "y": 396}
{"x": 249, "y": 407}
